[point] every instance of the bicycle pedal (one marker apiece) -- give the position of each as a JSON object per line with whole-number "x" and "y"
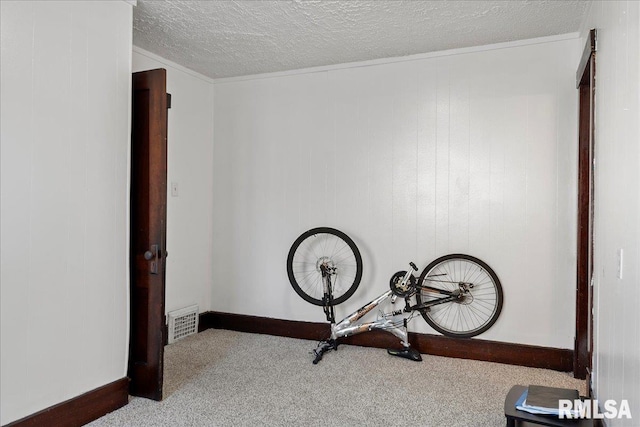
{"x": 407, "y": 353}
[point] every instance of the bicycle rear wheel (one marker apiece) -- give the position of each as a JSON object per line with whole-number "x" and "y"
{"x": 478, "y": 295}
{"x": 331, "y": 248}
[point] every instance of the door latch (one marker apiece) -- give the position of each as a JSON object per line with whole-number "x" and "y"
{"x": 152, "y": 256}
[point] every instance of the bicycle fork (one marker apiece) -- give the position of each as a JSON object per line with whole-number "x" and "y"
{"x": 327, "y": 298}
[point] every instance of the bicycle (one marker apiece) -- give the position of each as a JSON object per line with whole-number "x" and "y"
{"x": 458, "y": 295}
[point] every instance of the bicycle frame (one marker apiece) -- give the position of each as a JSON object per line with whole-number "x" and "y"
{"x": 348, "y": 326}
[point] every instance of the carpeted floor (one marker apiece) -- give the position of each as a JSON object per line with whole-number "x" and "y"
{"x": 226, "y": 378}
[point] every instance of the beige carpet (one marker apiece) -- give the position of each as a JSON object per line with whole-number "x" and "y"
{"x": 226, "y": 378}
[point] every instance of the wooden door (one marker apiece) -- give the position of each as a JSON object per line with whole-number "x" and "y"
{"x": 585, "y": 82}
{"x": 148, "y": 232}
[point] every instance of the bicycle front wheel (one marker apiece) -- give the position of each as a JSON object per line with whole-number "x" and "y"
{"x": 477, "y": 291}
{"x": 325, "y": 247}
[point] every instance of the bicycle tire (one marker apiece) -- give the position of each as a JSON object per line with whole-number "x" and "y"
{"x": 318, "y": 245}
{"x": 470, "y": 315}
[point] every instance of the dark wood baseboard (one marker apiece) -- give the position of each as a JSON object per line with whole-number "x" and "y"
{"x": 82, "y": 409}
{"x": 263, "y": 325}
{"x": 437, "y": 345}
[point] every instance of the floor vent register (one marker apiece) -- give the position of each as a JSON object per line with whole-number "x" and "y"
{"x": 182, "y": 323}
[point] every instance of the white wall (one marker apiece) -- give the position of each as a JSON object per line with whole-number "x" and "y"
{"x": 471, "y": 151}
{"x": 190, "y": 157}
{"x": 617, "y": 201}
{"x": 65, "y": 90}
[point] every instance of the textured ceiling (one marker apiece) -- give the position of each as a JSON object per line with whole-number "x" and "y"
{"x": 235, "y": 38}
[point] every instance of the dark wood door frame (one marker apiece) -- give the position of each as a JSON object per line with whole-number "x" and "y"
{"x": 148, "y": 233}
{"x": 585, "y": 83}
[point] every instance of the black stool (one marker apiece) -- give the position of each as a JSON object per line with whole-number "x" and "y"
{"x": 523, "y": 419}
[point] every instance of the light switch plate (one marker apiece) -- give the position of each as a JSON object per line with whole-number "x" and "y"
{"x": 620, "y": 262}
